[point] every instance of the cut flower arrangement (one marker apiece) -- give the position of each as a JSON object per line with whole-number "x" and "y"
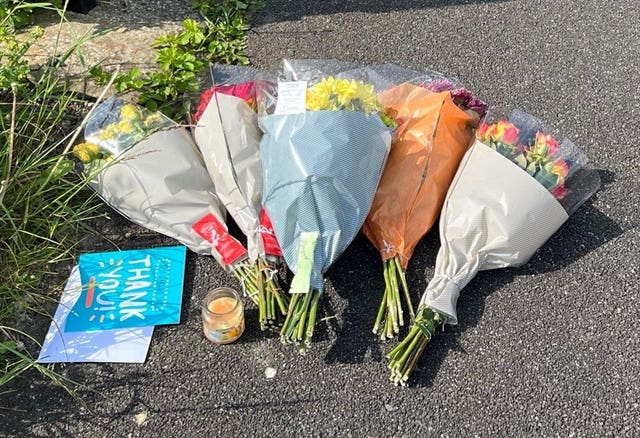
{"x": 530, "y": 183}
{"x": 305, "y": 159}
{"x": 227, "y": 134}
{"x": 147, "y": 168}
{"x": 320, "y": 128}
{"x": 436, "y": 124}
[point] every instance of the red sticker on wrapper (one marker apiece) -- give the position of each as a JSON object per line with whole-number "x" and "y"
{"x": 211, "y": 230}
{"x": 269, "y": 241}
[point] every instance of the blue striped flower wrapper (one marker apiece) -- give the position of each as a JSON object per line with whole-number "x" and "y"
{"x": 321, "y": 170}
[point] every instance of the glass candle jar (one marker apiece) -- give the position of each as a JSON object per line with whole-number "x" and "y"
{"x": 222, "y": 315}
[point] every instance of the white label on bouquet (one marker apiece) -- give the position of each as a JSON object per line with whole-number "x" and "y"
{"x": 292, "y": 97}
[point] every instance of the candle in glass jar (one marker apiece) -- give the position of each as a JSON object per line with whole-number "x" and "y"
{"x": 222, "y": 316}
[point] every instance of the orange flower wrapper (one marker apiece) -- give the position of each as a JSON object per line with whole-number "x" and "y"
{"x": 432, "y": 137}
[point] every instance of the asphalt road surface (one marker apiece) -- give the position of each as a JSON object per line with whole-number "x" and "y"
{"x": 551, "y": 348}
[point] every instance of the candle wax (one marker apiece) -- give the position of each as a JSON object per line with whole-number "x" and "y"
{"x": 222, "y": 305}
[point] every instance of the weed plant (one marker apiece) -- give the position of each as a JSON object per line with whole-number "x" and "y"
{"x": 44, "y": 209}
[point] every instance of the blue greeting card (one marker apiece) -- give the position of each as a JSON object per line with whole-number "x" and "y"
{"x": 123, "y": 289}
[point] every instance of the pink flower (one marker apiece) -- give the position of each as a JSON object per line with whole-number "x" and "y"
{"x": 559, "y": 192}
{"x": 205, "y": 98}
{"x": 439, "y": 85}
{"x": 501, "y": 132}
{"x": 245, "y": 91}
{"x": 461, "y": 96}
{"x": 545, "y": 145}
{"x": 509, "y": 133}
{"x": 560, "y": 168}
{"x": 483, "y": 132}
{"x": 467, "y": 101}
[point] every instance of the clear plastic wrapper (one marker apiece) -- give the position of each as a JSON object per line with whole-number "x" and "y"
{"x": 148, "y": 169}
{"x": 227, "y": 134}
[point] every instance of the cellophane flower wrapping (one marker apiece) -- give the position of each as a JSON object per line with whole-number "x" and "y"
{"x": 227, "y": 133}
{"x": 510, "y": 194}
{"x": 436, "y": 119}
{"x": 228, "y": 136}
{"x": 432, "y": 136}
{"x": 514, "y": 188}
{"x": 148, "y": 169}
{"x": 323, "y": 151}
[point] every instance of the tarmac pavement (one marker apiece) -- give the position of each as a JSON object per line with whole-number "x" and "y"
{"x": 548, "y": 349}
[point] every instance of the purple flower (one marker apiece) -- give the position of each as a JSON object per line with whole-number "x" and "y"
{"x": 467, "y": 101}
{"x": 439, "y": 85}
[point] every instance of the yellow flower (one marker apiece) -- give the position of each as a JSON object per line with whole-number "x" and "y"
{"x": 109, "y": 132}
{"x": 125, "y": 127}
{"x": 346, "y": 92}
{"x": 317, "y": 101}
{"x": 342, "y": 94}
{"x": 130, "y": 112}
{"x": 86, "y": 152}
{"x": 367, "y": 98}
{"x": 154, "y": 120}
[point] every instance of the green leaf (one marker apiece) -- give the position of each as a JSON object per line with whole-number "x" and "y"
{"x": 191, "y": 25}
{"x": 54, "y": 173}
{"x": 520, "y": 160}
{"x": 547, "y": 179}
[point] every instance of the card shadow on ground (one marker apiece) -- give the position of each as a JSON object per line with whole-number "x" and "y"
{"x": 586, "y": 230}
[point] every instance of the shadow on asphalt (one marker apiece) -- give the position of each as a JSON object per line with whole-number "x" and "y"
{"x": 114, "y": 15}
{"x": 586, "y": 230}
{"x": 284, "y": 10}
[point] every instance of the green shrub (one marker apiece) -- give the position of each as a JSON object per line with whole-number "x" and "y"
{"x": 184, "y": 54}
{"x": 19, "y": 13}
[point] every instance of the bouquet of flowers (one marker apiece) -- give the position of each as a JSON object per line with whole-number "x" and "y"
{"x": 228, "y": 136}
{"x": 148, "y": 169}
{"x": 321, "y": 130}
{"x": 514, "y": 188}
{"x": 436, "y": 121}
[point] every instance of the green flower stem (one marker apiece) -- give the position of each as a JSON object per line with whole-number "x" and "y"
{"x": 390, "y": 310}
{"x": 404, "y": 357}
{"x": 393, "y": 354}
{"x": 271, "y": 311}
{"x": 287, "y": 322}
{"x": 243, "y": 274}
{"x": 414, "y": 360}
{"x": 396, "y": 294}
{"x": 406, "y": 354}
{"x": 383, "y": 305}
{"x": 300, "y": 332}
{"x": 405, "y": 288}
{"x": 312, "y": 317}
{"x": 388, "y": 329}
{"x": 391, "y": 317}
{"x": 263, "y": 290}
{"x": 273, "y": 293}
{"x": 282, "y": 301}
{"x": 301, "y": 318}
{"x": 262, "y": 304}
